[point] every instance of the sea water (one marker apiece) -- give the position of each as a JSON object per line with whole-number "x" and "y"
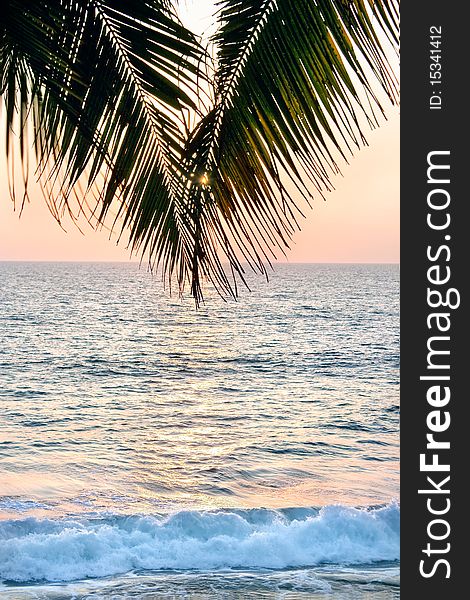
{"x": 242, "y": 450}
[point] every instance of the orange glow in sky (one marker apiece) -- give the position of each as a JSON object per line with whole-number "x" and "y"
{"x": 359, "y": 221}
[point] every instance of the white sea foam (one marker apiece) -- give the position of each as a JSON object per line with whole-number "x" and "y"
{"x": 65, "y": 550}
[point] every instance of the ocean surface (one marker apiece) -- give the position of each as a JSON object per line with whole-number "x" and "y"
{"x": 243, "y": 450}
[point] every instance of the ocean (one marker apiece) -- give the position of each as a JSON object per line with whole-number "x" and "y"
{"x": 243, "y": 450}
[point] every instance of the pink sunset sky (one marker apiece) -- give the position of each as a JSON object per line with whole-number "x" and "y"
{"x": 359, "y": 222}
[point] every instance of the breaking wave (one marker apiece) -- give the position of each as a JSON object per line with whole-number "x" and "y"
{"x": 66, "y": 550}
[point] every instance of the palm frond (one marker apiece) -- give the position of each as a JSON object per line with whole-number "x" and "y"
{"x": 115, "y": 91}
{"x": 109, "y": 84}
{"x": 290, "y": 89}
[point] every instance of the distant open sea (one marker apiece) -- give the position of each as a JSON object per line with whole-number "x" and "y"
{"x": 243, "y": 450}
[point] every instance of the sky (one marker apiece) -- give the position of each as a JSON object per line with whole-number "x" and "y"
{"x": 358, "y": 222}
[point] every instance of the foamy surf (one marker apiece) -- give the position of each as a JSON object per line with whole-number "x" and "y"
{"x": 34, "y": 550}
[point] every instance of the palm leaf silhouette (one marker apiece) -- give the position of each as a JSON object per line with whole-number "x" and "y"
{"x": 203, "y": 161}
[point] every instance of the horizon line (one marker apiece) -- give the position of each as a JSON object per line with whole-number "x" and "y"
{"x": 142, "y": 263}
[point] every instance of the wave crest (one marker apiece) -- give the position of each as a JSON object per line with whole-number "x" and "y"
{"x": 66, "y": 550}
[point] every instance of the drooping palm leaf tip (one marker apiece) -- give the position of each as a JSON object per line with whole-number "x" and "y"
{"x": 200, "y": 165}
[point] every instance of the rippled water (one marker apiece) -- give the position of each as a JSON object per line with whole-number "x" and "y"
{"x": 140, "y": 437}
